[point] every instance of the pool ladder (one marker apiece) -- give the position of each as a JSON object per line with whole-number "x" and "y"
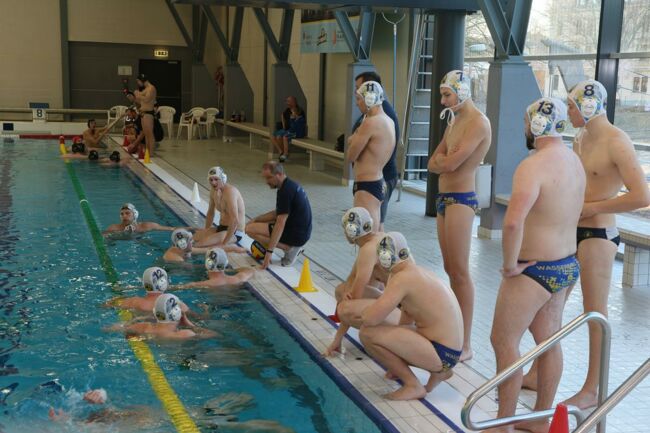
{"x": 605, "y": 404}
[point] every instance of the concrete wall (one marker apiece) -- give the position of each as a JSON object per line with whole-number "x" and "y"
{"x": 143, "y": 22}
{"x": 31, "y": 53}
{"x": 94, "y": 82}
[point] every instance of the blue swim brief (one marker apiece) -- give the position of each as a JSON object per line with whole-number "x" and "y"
{"x": 445, "y": 199}
{"x": 449, "y": 357}
{"x": 555, "y": 275}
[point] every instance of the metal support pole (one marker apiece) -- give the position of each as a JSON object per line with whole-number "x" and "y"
{"x": 449, "y": 50}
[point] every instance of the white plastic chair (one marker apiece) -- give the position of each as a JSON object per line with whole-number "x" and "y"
{"x": 209, "y": 121}
{"x": 115, "y": 112}
{"x": 167, "y": 118}
{"x": 188, "y": 120}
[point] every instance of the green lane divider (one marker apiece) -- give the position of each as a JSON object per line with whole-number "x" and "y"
{"x": 167, "y": 396}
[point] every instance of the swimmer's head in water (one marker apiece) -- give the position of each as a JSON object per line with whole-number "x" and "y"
{"x": 392, "y": 250}
{"x": 93, "y": 155}
{"x": 91, "y": 123}
{"x": 115, "y": 156}
{"x": 155, "y": 279}
{"x": 545, "y": 117}
{"x": 216, "y": 260}
{"x": 371, "y": 93}
{"x": 357, "y": 223}
{"x": 459, "y": 83}
{"x": 182, "y": 239}
{"x": 167, "y": 308}
{"x": 129, "y": 214}
{"x": 590, "y": 98}
{"x": 78, "y": 147}
{"x": 216, "y": 174}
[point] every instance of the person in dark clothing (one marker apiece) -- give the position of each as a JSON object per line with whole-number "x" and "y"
{"x": 288, "y": 226}
{"x": 294, "y": 125}
{"x": 390, "y": 169}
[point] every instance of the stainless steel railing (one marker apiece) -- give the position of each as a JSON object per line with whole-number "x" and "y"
{"x": 533, "y": 354}
{"x": 603, "y": 409}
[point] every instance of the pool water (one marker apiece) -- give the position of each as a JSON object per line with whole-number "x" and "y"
{"x": 53, "y": 344}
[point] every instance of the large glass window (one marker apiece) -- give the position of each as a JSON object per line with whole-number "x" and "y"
{"x": 632, "y": 99}
{"x": 636, "y": 26}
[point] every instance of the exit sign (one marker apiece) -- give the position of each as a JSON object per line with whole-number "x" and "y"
{"x": 160, "y": 53}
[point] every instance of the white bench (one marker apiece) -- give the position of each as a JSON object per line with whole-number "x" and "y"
{"x": 255, "y": 131}
{"x": 635, "y": 235}
{"x": 318, "y": 152}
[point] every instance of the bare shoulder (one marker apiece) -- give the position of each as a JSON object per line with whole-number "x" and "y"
{"x": 617, "y": 140}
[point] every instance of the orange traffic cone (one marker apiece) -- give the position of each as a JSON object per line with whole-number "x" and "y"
{"x": 560, "y": 422}
{"x": 305, "y": 284}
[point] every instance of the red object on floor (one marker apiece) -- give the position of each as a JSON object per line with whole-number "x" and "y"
{"x": 141, "y": 153}
{"x": 126, "y": 141}
{"x": 335, "y": 317}
{"x": 560, "y": 423}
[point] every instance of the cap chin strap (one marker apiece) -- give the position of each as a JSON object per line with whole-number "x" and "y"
{"x": 452, "y": 116}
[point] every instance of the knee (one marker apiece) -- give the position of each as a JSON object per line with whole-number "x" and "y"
{"x": 366, "y": 335}
{"x": 457, "y": 275}
{"x": 340, "y": 291}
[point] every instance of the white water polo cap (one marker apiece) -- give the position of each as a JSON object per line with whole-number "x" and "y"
{"x": 590, "y": 97}
{"x": 547, "y": 117}
{"x": 133, "y": 210}
{"x": 459, "y": 82}
{"x": 357, "y": 223}
{"x": 216, "y": 260}
{"x": 392, "y": 250}
{"x": 167, "y": 308}
{"x": 155, "y": 279}
{"x": 182, "y": 239}
{"x": 372, "y": 93}
{"x": 218, "y": 173}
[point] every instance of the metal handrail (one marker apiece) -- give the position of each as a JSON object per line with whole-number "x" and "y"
{"x": 533, "y": 354}
{"x": 618, "y": 395}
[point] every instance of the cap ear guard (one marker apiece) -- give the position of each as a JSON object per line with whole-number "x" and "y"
{"x": 356, "y": 223}
{"x": 167, "y": 309}
{"x": 155, "y": 279}
{"x": 392, "y": 250}
{"x": 216, "y": 259}
{"x": 182, "y": 239}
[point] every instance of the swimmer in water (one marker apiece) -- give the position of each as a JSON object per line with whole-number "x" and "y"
{"x": 219, "y": 275}
{"x": 155, "y": 282}
{"x": 183, "y": 247}
{"x": 169, "y": 318}
{"x": 129, "y": 216}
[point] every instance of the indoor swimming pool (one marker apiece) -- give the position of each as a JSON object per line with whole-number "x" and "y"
{"x": 53, "y": 328}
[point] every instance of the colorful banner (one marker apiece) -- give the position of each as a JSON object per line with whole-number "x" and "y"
{"x": 321, "y": 33}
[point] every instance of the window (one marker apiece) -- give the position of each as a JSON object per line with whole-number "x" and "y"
{"x": 636, "y": 86}
{"x": 644, "y": 84}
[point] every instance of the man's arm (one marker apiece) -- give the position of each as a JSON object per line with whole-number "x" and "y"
{"x": 268, "y": 217}
{"x": 364, "y": 266}
{"x": 379, "y": 310}
{"x": 232, "y": 211}
{"x": 622, "y": 154}
{"x": 112, "y": 228}
{"x": 155, "y": 226}
{"x": 468, "y": 144}
{"x": 525, "y": 191}
{"x": 432, "y": 165}
{"x": 209, "y": 218}
{"x": 278, "y": 229}
{"x": 359, "y": 140}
